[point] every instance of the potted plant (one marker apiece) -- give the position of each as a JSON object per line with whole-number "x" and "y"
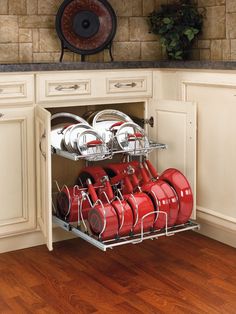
{"x": 178, "y": 24}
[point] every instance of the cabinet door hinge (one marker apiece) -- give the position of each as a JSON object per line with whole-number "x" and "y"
{"x": 149, "y": 121}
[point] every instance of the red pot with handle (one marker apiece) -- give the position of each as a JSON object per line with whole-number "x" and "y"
{"x": 122, "y": 208}
{"x": 158, "y": 198}
{"x": 183, "y": 190}
{"x": 169, "y": 191}
{"x": 115, "y": 169}
{"x": 142, "y": 207}
{"x": 102, "y": 217}
{"x": 69, "y": 204}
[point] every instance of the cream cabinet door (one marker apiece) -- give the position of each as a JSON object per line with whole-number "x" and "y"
{"x": 175, "y": 125}
{"x": 43, "y": 170}
{"x": 17, "y": 169}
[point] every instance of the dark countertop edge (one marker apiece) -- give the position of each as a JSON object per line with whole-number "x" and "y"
{"x": 73, "y": 66}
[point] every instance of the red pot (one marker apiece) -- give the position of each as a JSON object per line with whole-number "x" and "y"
{"x": 125, "y": 217}
{"x": 69, "y": 202}
{"x": 122, "y": 208}
{"x": 102, "y": 217}
{"x": 182, "y": 187}
{"x": 159, "y": 199}
{"x": 95, "y": 174}
{"x": 170, "y": 193}
{"x": 141, "y": 205}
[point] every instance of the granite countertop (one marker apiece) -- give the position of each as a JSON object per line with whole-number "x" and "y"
{"x": 65, "y": 66}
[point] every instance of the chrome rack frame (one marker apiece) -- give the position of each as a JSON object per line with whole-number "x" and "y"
{"x": 109, "y": 155}
{"x": 135, "y": 239}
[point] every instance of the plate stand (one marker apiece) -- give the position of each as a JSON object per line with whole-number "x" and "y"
{"x": 63, "y": 48}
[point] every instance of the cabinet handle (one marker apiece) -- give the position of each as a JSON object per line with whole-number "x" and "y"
{"x": 1, "y": 90}
{"x": 120, "y": 85}
{"x": 40, "y": 145}
{"x": 62, "y": 88}
{"x": 1, "y": 115}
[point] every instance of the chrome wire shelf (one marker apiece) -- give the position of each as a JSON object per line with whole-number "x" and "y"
{"x": 109, "y": 154}
{"x": 134, "y": 239}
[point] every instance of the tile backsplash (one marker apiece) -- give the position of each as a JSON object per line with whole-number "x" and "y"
{"x": 27, "y": 32}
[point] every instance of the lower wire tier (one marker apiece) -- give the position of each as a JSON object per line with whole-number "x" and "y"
{"x": 134, "y": 239}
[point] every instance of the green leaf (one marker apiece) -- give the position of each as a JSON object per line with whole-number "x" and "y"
{"x": 167, "y": 20}
{"x": 189, "y": 33}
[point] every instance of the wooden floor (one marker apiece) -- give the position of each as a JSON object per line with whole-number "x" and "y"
{"x": 186, "y": 273}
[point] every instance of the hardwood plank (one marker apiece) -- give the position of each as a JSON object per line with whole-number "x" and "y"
{"x": 187, "y": 273}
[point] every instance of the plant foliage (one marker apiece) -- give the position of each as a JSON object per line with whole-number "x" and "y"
{"x": 177, "y": 24}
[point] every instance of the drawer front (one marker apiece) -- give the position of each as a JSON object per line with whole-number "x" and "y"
{"x": 62, "y": 87}
{"x": 16, "y": 89}
{"x": 130, "y": 84}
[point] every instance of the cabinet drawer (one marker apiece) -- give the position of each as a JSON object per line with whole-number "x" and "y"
{"x": 16, "y": 89}
{"x": 130, "y": 83}
{"x": 62, "y": 87}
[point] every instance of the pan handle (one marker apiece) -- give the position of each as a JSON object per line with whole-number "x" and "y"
{"x": 136, "y": 209}
{"x": 152, "y": 169}
{"x": 123, "y": 212}
{"x": 99, "y": 202}
{"x": 119, "y": 123}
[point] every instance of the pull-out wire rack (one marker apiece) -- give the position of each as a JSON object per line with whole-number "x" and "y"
{"x": 109, "y": 154}
{"x": 134, "y": 239}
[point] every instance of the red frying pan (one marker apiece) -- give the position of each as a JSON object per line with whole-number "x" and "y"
{"x": 182, "y": 187}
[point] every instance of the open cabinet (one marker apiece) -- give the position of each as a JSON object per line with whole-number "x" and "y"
{"x": 174, "y": 123}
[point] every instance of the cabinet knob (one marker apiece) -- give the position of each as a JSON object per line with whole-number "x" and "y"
{"x": 1, "y": 115}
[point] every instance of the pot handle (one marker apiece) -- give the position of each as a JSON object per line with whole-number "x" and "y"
{"x": 136, "y": 209}
{"x": 99, "y": 202}
{"x": 152, "y": 169}
{"x": 94, "y": 143}
{"x": 133, "y": 137}
{"x": 92, "y": 191}
{"x": 123, "y": 212}
{"x": 119, "y": 123}
{"x": 108, "y": 188}
{"x": 128, "y": 184}
{"x": 144, "y": 175}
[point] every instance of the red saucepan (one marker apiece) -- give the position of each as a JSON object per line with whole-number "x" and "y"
{"x": 105, "y": 193}
{"x": 182, "y": 187}
{"x": 170, "y": 193}
{"x": 141, "y": 205}
{"x": 157, "y": 196}
{"x": 119, "y": 169}
{"x": 102, "y": 217}
{"x": 69, "y": 204}
{"x": 122, "y": 208}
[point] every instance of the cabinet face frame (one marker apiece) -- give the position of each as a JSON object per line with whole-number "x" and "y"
{"x": 43, "y": 171}
{"x": 23, "y": 152}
